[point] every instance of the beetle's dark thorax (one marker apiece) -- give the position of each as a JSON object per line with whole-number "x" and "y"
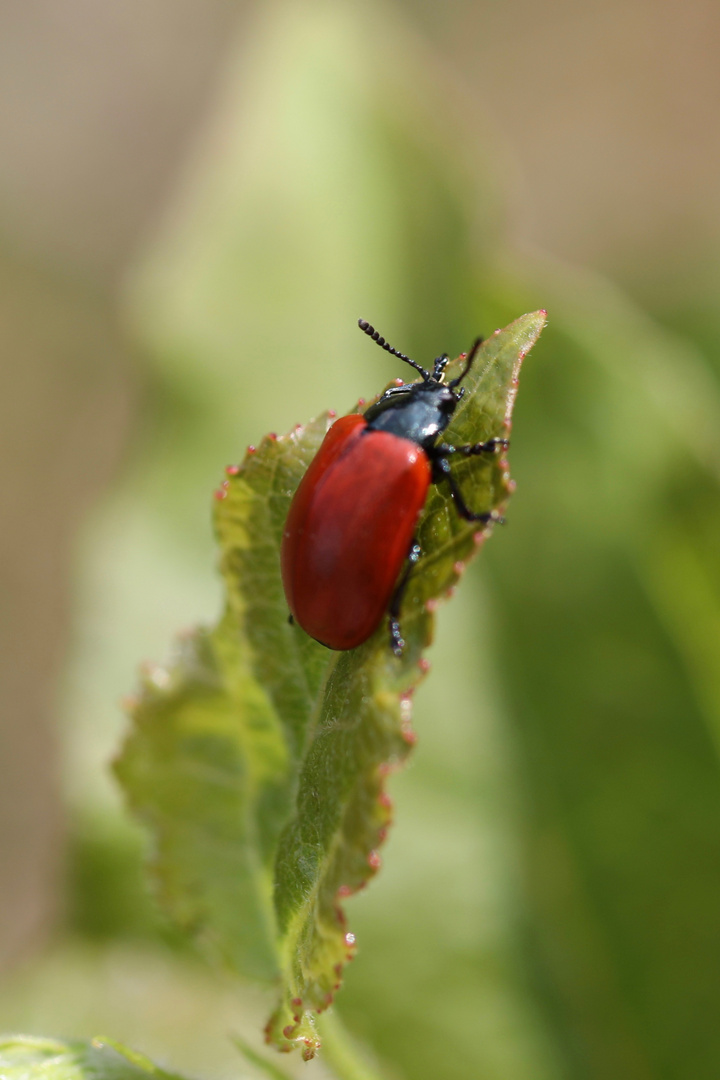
{"x": 418, "y": 411}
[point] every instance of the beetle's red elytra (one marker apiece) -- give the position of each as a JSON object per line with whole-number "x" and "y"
{"x": 350, "y": 529}
{"x": 348, "y": 544}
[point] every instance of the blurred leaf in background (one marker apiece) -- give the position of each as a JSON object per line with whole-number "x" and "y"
{"x": 103, "y": 1059}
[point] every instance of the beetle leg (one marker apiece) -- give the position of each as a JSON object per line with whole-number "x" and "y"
{"x": 442, "y": 471}
{"x": 473, "y": 449}
{"x": 397, "y": 641}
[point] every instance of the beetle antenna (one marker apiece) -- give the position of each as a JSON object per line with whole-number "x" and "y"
{"x": 468, "y": 363}
{"x": 373, "y": 333}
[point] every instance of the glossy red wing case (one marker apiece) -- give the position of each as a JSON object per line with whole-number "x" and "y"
{"x": 349, "y": 531}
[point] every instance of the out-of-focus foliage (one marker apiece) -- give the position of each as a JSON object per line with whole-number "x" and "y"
{"x": 548, "y": 905}
{"x": 27, "y": 1058}
{"x": 618, "y": 731}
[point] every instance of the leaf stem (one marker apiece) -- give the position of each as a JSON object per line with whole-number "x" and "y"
{"x": 340, "y": 1052}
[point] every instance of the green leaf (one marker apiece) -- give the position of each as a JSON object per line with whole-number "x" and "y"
{"x": 604, "y": 616}
{"x": 24, "y": 1057}
{"x": 258, "y": 757}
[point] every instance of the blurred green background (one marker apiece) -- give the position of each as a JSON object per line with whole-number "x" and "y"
{"x": 198, "y": 199}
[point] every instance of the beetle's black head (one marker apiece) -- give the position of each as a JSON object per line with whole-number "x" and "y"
{"x": 434, "y": 379}
{"x": 419, "y": 411}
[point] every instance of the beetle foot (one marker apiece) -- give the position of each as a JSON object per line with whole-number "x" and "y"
{"x": 489, "y": 447}
{"x": 492, "y": 517}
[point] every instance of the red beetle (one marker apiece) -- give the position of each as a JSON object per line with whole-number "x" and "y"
{"x": 352, "y": 520}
